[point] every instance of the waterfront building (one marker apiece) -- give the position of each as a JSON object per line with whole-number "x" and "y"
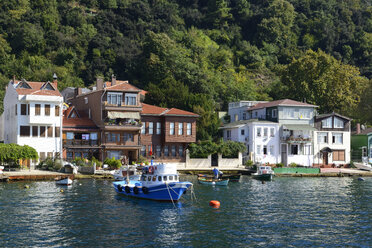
{"x": 33, "y": 116}
{"x": 166, "y": 133}
{"x": 261, "y": 138}
{"x": 331, "y": 140}
{"x": 115, "y": 108}
{"x": 361, "y": 144}
{"x": 295, "y": 127}
{"x": 81, "y": 136}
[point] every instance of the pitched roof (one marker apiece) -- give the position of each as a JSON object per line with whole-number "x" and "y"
{"x": 35, "y": 88}
{"x": 79, "y": 121}
{"x": 322, "y": 116}
{"x": 283, "y": 102}
{"x": 365, "y": 131}
{"x": 121, "y": 86}
{"x": 148, "y": 109}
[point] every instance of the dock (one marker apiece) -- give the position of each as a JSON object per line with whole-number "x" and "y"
{"x": 34, "y": 175}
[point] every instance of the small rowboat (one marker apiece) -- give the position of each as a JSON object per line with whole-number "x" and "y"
{"x": 63, "y": 181}
{"x": 213, "y": 181}
{"x": 231, "y": 177}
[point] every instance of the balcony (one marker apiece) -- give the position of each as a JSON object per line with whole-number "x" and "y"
{"x": 120, "y": 107}
{"x": 122, "y": 124}
{"x": 121, "y": 144}
{"x": 296, "y": 139}
{"x": 77, "y": 142}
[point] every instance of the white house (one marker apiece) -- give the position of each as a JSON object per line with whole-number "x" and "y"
{"x": 261, "y": 138}
{"x": 33, "y": 116}
{"x": 332, "y": 140}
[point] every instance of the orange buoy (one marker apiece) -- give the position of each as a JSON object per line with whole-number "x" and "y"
{"x": 214, "y": 204}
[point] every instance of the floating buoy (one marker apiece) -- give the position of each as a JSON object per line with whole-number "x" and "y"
{"x": 27, "y": 186}
{"x": 360, "y": 178}
{"x": 214, "y": 204}
{"x": 61, "y": 190}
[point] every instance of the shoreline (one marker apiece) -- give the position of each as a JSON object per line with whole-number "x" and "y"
{"x": 38, "y": 175}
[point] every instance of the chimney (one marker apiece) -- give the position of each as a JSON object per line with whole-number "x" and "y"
{"x": 358, "y": 128}
{"x": 14, "y": 79}
{"x": 78, "y": 91}
{"x": 55, "y": 82}
{"x": 99, "y": 83}
{"x": 113, "y": 80}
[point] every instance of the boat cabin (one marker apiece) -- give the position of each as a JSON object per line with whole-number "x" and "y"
{"x": 159, "y": 174}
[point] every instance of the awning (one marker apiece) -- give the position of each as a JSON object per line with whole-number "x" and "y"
{"x": 123, "y": 115}
{"x": 299, "y": 127}
{"x": 326, "y": 149}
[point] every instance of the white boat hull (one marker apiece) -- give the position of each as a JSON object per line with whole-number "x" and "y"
{"x": 65, "y": 181}
{"x": 363, "y": 166}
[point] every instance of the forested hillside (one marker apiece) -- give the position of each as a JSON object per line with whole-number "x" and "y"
{"x": 198, "y": 55}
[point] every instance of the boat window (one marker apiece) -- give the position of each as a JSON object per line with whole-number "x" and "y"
{"x": 175, "y": 177}
{"x": 143, "y": 178}
{"x": 165, "y": 178}
{"x": 170, "y": 178}
{"x": 154, "y": 178}
{"x": 149, "y": 179}
{"x": 159, "y": 178}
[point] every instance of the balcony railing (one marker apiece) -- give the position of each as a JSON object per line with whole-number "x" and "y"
{"x": 77, "y": 142}
{"x": 296, "y": 139}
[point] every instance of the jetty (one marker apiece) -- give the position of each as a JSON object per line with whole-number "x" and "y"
{"x": 33, "y": 175}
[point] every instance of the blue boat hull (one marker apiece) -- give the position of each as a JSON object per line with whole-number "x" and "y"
{"x": 171, "y": 192}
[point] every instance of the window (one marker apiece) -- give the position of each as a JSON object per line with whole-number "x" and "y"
{"x": 272, "y": 132}
{"x": 337, "y": 138}
{"x": 364, "y": 151}
{"x": 25, "y": 131}
{"x": 42, "y": 131}
{"x": 180, "y": 128}
{"x": 151, "y": 127}
{"x": 24, "y": 109}
{"x": 188, "y": 129}
{"x": 244, "y": 116}
{"x": 47, "y": 109}
{"x": 165, "y": 178}
{"x": 114, "y": 98}
{"x": 69, "y": 135}
{"x": 180, "y": 151}
{"x": 158, "y": 151}
{"x": 258, "y": 132}
{"x": 143, "y": 151}
{"x": 338, "y": 155}
{"x": 338, "y": 123}
{"x": 265, "y": 150}
{"x": 158, "y": 128}
{"x": 42, "y": 156}
{"x": 255, "y": 113}
{"x": 37, "y": 109}
{"x": 305, "y": 113}
{"x": 173, "y": 150}
{"x": 166, "y": 152}
{"x": 289, "y": 113}
{"x": 128, "y": 137}
{"x": 228, "y": 134}
{"x": 171, "y": 128}
{"x": 307, "y": 150}
{"x": 265, "y": 132}
{"x": 258, "y": 149}
{"x": 322, "y": 138}
{"x": 56, "y": 133}
{"x": 294, "y": 150}
{"x": 271, "y": 150}
{"x": 327, "y": 123}
{"x": 50, "y": 132}
{"x": 130, "y": 99}
{"x": 35, "y": 131}
{"x": 69, "y": 155}
{"x": 242, "y": 132}
{"x": 170, "y": 178}
{"x": 56, "y": 110}
{"x": 143, "y": 128}
{"x": 159, "y": 178}
{"x": 93, "y": 136}
{"x": 274, "y": 113}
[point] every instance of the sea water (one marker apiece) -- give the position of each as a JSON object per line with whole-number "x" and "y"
{"x": 286, "y": 212}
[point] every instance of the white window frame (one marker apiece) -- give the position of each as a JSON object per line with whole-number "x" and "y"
{"x": 158, "y": 128}
{"x": 327, "y": 123}
{"x": 320, "y": 137}
{"x": 259, "y": 134}
{"x": 151, "y": 128}
{"x": 118, "y": 98}
{"x": 272, "y": 132}
{"x": 338, "y": 123}
{"x": 337, "y": 141}
{"x": 274, "y": 113}
{"x": 189, "y": 131}
{"x": 143, "y": 128}
{"x": 265, "y": 132}
{"x": 130, "y": 99}
{"x": 180, "y": 128}
{"x": 258, "y": 149}
{"x": 171, "y": 128}
{"x": 271, "y": 150}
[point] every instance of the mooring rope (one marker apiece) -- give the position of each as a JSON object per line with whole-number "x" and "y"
{"x": 174, "y": 205}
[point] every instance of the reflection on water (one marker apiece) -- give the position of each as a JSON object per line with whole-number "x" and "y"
{"x": 287, "y": 212}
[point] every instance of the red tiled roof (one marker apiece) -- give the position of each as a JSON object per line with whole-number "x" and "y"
{"x": 155, "y": 110}
{"x": 283, "y": 102}
{"x": 36, "y": 89}
{"x": 121, "y": 86}
{"x": 80, "y": 121}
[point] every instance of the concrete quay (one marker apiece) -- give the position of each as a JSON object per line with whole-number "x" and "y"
{"x": 34, "y": 175}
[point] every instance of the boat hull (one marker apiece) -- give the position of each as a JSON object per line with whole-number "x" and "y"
{"x": 65, "y": 181}
{"x": 163, "y": 192}
{"x": 231, "y": 177}
{"x": 218, "y": 182}
{"x": 361, "y": 166}
{"x": 266, "y": 177}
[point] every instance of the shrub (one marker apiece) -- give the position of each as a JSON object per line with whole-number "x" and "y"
{"x": 279, "y": 165}
{"x": 249, "y": 163}
{"x": 141, "y": 159}
{"x": 79, "y": 161}
{"x": 94, "y": 160}
{"x": 112, "y": 163}
{"x": 292, "y": 165}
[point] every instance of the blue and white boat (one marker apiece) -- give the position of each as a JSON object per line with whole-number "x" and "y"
{"x": 158, "y": 182}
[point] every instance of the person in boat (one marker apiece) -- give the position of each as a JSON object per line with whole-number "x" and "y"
{"x": 217, "y": 173}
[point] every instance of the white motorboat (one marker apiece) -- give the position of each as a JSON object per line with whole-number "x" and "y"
{"x": 123, "y": 171}
{"x": 363, "y": 166}
{"x": 263, "y": 173}
{"x": 63, "y": 181}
